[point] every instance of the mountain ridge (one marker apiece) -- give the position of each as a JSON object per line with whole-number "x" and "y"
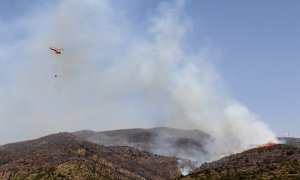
{"x": 186, "y": 144}
{"x": 64, "y": 155}
{"x": 73, "y": 156}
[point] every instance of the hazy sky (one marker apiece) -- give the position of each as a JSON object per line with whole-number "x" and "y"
{"x": 253, "y": 46}
{"x": 256, "y": 44}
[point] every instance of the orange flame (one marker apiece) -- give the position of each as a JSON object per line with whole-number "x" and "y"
{"x": 270, "y": 143}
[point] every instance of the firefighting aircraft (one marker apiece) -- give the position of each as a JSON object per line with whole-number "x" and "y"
{"x": 56, "y": 50}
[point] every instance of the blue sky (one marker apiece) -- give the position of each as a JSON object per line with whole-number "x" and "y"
{"x": 259, "y": 59}
{"x": 253, "y": 45}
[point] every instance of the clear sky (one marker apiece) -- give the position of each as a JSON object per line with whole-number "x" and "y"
{"x": 253, "y": 45}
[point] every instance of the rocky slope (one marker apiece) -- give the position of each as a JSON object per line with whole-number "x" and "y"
{"x": 274, "y": 162}
{"x": 65, "y": 156}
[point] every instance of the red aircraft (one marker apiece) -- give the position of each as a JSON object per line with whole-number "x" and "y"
{"x": 57, "y": 51}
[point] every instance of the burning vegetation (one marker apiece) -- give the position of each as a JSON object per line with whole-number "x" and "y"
{"x": 270, "y": 143}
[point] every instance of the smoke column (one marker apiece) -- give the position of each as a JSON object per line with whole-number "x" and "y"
{"x": 114, "y": 75}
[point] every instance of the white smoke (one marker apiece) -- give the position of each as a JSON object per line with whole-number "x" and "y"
{"x": 113, "y": 75}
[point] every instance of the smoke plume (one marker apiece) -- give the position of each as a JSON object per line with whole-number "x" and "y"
{"x": 114, "y": 74}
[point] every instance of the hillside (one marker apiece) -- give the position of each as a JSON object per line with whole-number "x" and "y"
{"x": 74, "y": 156}
{"x": 187, "y": 144}
{"x": 278, "y": 162}
{"x": 65, "y": 156}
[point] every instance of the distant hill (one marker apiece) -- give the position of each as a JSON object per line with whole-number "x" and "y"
{"x": 274, "y": 162}
{"x": 290, "y": 141}
{"x": 187, "y": 144}
{"x": 65, "y": 156}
